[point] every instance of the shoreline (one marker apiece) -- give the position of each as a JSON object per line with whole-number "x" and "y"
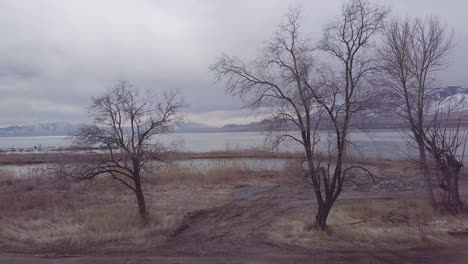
{"x": 44, "y": 158}
{"x": 69, "y": 157}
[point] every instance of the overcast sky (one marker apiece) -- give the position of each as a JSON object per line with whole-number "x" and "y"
{"x": 55, "y": 55}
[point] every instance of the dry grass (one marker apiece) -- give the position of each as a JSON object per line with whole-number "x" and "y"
{"x": 82, "y": 229}
{"x": 237, "y": 153}
{"x": 45, "y": 214}
{"x": 220, "y": 172}
{"x": 52, "y": 157}
{"x": 397, "y": 224}
{"x": 7, "y": 177}
{"x": 41, "y": 213}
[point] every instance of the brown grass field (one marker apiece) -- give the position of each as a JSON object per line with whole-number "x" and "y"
{"x": 224, "y": 209}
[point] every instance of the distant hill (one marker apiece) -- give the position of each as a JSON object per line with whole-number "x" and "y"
{"x": 49, "y": 129}
{"x": 450, "y": 97}
{"x": 263, "y": 125}
{"x": 67, "y": 129}
{"x": 192, "y": 127}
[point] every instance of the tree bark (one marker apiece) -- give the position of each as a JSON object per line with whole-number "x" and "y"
{"x": 456, "y": 190}
{"x": 427, "y": 176}
{"x": 322, "y": 216}
{"x": 453, "y": 202}
{"x": 142, "y": 211}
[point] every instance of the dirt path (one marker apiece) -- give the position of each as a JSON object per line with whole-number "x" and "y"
{"x": 234, "y": 233}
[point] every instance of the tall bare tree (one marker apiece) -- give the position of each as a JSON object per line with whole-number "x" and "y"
{"x": 282, "y": 80}
{"x": 126, "y": 124}
{"x": 411, "y": 54}
{"x": 350, "y": 40}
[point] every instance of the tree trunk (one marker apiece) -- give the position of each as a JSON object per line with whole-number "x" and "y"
{"x": 452, "y": 202}
{"x": 427, "y": 176}
{"x": 322, "y": 216}
{"x": 142, "y": 212}
{"x": 456, "y": 190}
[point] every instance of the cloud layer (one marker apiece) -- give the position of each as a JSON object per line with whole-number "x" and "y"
{"x": 55, "y": 55}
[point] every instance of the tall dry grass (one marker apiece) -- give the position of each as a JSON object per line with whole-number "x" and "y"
{"x": 41, "y": 212}
{"x": 220, "y": 172}
{"x": 396, "y": 224}
{"x": 39, "y": 215}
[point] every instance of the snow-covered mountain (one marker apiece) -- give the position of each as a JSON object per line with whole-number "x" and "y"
{"x": 387, "y": 106}
{"x": 450, "y": 98}
{"x": 448, "y": 91}
{"x": 454, "y": 103}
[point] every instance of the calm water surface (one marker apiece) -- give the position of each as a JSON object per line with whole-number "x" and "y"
{"x": 375, "y": 144}
{"x": 379, "y": 144}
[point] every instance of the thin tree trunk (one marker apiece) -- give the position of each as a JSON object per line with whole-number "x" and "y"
{"x": 142, "y": 212}
{"x": 456, "y": 189}
{"x": 450, "y": 202}
{"x": 427, "y": 176}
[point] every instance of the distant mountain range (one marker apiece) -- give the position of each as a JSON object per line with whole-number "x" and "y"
{"x": 450, "y": 97}
{"x": 67, "y": 129}
{"x": 383, "y": 114}
{"x": 49, "y": 129}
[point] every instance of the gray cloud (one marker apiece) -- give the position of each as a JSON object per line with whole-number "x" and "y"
{"x": 55, "y": 55}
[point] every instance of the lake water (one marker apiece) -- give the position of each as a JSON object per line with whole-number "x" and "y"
{"x": 381, "y": 143}
{"x": 377, "y": 143}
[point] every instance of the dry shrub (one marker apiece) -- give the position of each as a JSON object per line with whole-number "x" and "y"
{"x": 218, "y": 173}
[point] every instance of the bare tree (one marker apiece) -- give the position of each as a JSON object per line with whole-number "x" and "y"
{"x": 282, "y": 80}
{"x": 445, "y": 139}
{"x": 411, "y": 54}
{"x": 349, "y": 39}
{"x": 126, "y": 123}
